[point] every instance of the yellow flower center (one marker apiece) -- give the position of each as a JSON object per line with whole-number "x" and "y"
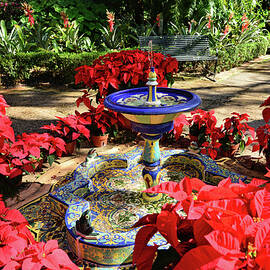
{"x": 194, "y": 196}
{"x": 257, "y": 219}
{"x": 252, "y": 250}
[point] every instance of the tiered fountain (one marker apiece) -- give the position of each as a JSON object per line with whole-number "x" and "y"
{"x": 103, "y": 199}
{"x": 152, "y": 113}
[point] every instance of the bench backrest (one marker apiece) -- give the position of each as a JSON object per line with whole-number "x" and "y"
{"x": 157, "y": 43}
{"x": 177, "y": 45}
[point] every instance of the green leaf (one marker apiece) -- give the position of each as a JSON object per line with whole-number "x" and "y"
{"x": 51, "y": 159}
{"x": 242, "y": 146}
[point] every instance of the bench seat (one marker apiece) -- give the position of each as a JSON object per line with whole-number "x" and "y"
{"x": 186, "y": 58}
{"x": 184, "y": 48}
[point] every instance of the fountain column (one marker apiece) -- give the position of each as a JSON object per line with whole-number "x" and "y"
{"x": 151, "y": 160}
{"x": 151, "y": 152}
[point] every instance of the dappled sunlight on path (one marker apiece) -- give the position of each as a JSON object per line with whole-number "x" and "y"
{"x": 30, "y": 107}
{"x": 240, "y": 90}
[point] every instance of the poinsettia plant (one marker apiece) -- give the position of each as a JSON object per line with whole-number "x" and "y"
{"x": 19, "y": 249}
{"x": 211, "y": 227}
{"x": 69, "y": 128}
{"x": 41, "y": 146}
{"x": 20, "y": 154}
{"x": 222, "y": 140}
{"x": 203, "y": 130}
{"x": 15, "y": 157}
{"x": 262, "y": 140}
{"x": 100, "y": 120}
{"x": 26, "y": 153}
{"x": 125, "y": 69}
{"x": 236, "y": 133}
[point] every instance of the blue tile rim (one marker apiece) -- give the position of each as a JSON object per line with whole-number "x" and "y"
{"x": 193, "y": 101}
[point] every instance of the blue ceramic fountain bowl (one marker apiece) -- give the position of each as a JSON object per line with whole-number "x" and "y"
{"x": 152, "y": 119}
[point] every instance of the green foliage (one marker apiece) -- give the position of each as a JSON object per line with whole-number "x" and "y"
{"x": 25, "y": 44}
{"x": 88, "y": 13}
{"x": 112, "y": 40}
{"x": 185, "y": 10}
{"x": 8, "y": 40}
{"x": 10, "y": 10}
{"x": 132, "y": 18}
{"x": 193, "y": 28}
{"x": 221, "y": 20}
{"x": 8, "y": 70}
{"x": 61, "y": 67}
{"x": 22, "y": 38}
{"x": 70, "y": 40}
{"x": 41, "y": 36}
{"x": 51, "y": 159}
{"x": 234, "y": 56}
{"x": 56, "y": 68}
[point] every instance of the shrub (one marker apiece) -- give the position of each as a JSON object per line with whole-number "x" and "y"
{"x": 234, "y": 56}
{"x": 58, "y": 68}
{"x": 62, "y": 66}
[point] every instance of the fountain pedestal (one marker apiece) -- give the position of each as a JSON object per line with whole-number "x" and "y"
{"x": 151, "y": 160}
{"x": 151, "y": 154}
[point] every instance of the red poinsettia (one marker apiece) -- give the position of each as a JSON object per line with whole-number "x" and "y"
{"x": 204, "y": 132}
{"x": 19, "y": 250}
{"x": 23, "y": 154}
{"x": 178, "y": 125}
{"x": 40, "y": 254}
{"x": 235, "y": 131}
{"x": 99, "y": 119}
{"x": 262, "y": 140}
{"x": 70, "y": 128}
{"x": 224, "y": 227}
{"x": 125, "y": 69}
{"x": 266, "y": 111}
{"x": 3, "y": 105}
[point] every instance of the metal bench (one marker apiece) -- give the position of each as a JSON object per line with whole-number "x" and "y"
{"x": 182, "y": 47}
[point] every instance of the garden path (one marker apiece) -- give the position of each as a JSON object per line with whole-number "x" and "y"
{"x": 240, "y": 90}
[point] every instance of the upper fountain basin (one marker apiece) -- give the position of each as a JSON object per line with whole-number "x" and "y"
{"x": 132, "y": 104}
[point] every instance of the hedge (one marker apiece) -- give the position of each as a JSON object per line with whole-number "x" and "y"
{"x": 59, "y": 68}
{"x": 56, "y": 68}
{"x": 234, "y": 56}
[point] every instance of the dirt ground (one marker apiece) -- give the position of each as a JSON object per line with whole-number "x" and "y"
{"x": 240, "y": 90}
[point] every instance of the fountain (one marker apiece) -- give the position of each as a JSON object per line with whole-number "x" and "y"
{"x": 152, "y": 113}
{"x": 102, "y": 200}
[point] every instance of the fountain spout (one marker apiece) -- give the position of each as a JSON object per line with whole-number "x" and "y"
{"x": 152, "y": 99}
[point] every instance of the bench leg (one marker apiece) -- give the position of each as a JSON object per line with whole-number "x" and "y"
{"x": 215, "y": 69}
{"x": 210, "y": 72}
